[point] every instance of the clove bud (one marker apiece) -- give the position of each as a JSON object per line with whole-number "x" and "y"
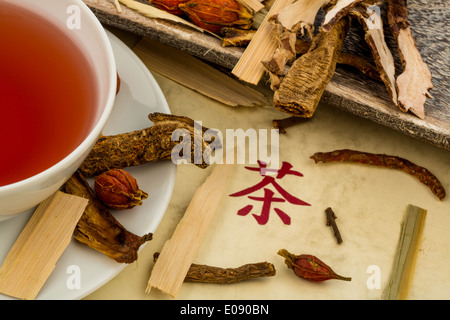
{"x": 118, "y": 189}
{"x": 310, "y": 267}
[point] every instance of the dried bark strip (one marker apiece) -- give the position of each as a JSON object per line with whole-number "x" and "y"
{"x": 374, "y": 35}
{"x": 209, "y": 274}
{"x": 415, "y": 82}
{"x": 331, "y": 221}
{"x": 143, "y": 146}
{"x": 99, "y": 230}
{"x": 387, "y": 161}
{"x": 301, "y": 89}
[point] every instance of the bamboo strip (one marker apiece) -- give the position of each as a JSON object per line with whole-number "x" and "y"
{"x": 197, "y": 75}
{"x": 249, "y": 67}
{"x": 39, "y": 246}
{"x": 179, "y": 251}
{"x": 406, "y": 254}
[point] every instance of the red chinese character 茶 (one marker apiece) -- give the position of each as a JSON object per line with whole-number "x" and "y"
{"x": 268, "y": 198}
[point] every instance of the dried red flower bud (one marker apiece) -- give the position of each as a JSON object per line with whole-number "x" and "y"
{"x": 170, "y": 6}
{"x": 118, "y": 189}
{"x": 310, "y": 267}
{"x": 213, "y": 15}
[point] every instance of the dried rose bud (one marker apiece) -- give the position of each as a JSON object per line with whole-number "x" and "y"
{"x": 310, "y": 267}
{"x": 170, "y": 6}
{"x": 213, "y": 15}
{"x": 117, "y": 189}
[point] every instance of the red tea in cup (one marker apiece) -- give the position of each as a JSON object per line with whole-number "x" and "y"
{"x": 47, "y": 94}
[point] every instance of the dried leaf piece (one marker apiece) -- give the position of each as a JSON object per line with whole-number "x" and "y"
{"x": 414, "y": 83}
{"x": 370, "y": 18}
{"x": 143, "y": 146}
{"x": 383, "y": 160}
{"x": 99, "y": 230}
{"x": 301, "y": 89}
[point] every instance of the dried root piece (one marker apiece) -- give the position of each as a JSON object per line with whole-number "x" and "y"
{"x": 383, "y": 160}
{"x": 371, "y": 20}
{"x": 414, "y": 83}
{"x": 98, "y": 229}
{"x": 297, "y": 18}
{"x": 209, "y": 274}
{"x": 301, "y": 89}
{"x": 310, "y": 267}
{"x": 143, "y": 146}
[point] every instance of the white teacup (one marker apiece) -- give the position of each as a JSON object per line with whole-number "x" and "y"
{"x": 92, "y": 39}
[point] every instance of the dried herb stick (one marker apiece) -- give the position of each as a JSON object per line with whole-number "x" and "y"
{"x": 331, "y": 221}
{"x": 383, "y": 160}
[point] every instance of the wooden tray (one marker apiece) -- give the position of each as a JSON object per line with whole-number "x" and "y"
{"x": 348, "y": 89}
